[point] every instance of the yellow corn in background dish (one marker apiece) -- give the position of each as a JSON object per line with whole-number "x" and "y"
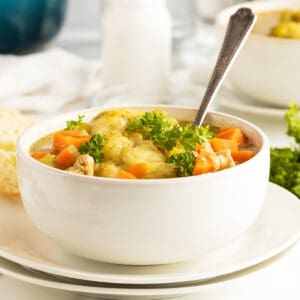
{"x": 289, "y": 25}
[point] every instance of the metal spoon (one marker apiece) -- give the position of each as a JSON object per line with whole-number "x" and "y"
{"x": 239, "y": 27}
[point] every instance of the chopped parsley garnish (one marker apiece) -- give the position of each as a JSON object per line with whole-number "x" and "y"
{"x": 94, "y": 148}
{"x": 165, "y": 135}
{"x": 154, "y": 126}
{"x": 183, "y": 163}
{"x": 191, "y": 136}
{"x": 78, "y": 124}
{"x": 73, "y": 125}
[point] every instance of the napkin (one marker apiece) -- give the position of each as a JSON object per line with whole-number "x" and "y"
{"x": 47, "y": 81}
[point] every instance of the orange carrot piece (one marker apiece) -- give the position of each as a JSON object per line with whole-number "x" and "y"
{"x": 198, "y": 148}
{"x": 122, "y": 174}
{"x": 65, "y": 138}
{"x": 222, "y": 144}
{"x": 67, "y": 157}
{"x": 138, "y": 170}
{"x": 242, "y": 156}
{"x": 233, "y": 133}
{"x": 203, "y": 165}
{"x": 39, "y": 155}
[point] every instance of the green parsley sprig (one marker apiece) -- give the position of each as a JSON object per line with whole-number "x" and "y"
{"x": 285, "y": 168}
{"x": 285, "y": 162}
{"x": 78, "y": 124}
{"x": 191, "y": 136}
{"x": 183, "y": 163}
{"x": 293, "y": 122}
{"x": 94, "y": 148}
{"x": 154, "y": 126}
{"x": 166, "y": 135}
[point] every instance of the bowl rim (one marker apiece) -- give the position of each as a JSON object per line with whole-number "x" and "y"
{"x": 23, "y": 151}
{"x": 257, "y": 6}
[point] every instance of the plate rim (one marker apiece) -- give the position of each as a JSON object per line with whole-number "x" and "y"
{"x": 152, "y": 279}
{"x": 228, "y": 95}
{"x": 174, "y": 291}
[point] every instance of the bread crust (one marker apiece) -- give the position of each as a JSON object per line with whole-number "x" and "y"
{"x": 12, "y": 124}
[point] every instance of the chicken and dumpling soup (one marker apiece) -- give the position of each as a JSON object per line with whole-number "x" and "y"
{"x": 134, "y": 144}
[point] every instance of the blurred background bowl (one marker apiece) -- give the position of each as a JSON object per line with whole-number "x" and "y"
{"x": 267, "y": 69}
{"x": 28, "y": 24}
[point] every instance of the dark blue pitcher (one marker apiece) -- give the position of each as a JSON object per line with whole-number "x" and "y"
{"x": 28, "y": 24}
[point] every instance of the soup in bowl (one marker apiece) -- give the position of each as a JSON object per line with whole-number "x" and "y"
{"x": 140, "y": 185}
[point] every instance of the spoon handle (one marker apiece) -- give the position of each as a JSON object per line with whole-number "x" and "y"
{"x": 239, "y": 27}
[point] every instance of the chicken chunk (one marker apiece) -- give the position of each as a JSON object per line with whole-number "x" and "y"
{"x": 83, "y": 165}
{"x": 206, "y": 147}
{"x": 220, "y": 160}
{"x": 225, "y": 159}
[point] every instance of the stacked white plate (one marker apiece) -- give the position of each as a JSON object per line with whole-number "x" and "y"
{"x": 28, "y": 255}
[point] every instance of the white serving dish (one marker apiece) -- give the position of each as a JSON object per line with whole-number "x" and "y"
{"x": 143, "y": 222}
{"x": 267, "y": 68}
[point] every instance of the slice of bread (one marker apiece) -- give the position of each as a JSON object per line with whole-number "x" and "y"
{"x": 12, "y": 124}
{"x": 8, "y": 175}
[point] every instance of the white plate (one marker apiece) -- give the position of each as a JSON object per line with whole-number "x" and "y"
{"x": 276, "y": 229}
{"x": 105, "y": 292}
{"x": 98, "y": 291}
{"x": 240, "y": 103}
{"x": 277, "y": 278}
{"x": 11, "y": 289}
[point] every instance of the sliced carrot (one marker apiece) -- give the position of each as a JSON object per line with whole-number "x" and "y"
{"x": 222, "y": 144}
{"x": 138, "y": 170}
{"x": 233, "y": 133}
{"x": 67, "y": 157}
{"x": 64, "y": 138}
{"x": 203, "y": 165}
{"x": 198, "y": 148}
{"x": 242, "y": 156}
{"x": 39, "y": 155}
{"x": 122, "y": 174}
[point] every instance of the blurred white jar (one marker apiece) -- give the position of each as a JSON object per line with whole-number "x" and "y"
{"x": 136, "y": 45}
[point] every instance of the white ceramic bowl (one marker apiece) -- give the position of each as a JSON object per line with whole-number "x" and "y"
{"x": 267, "y": 68}
{"x": 143, "y": 222}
